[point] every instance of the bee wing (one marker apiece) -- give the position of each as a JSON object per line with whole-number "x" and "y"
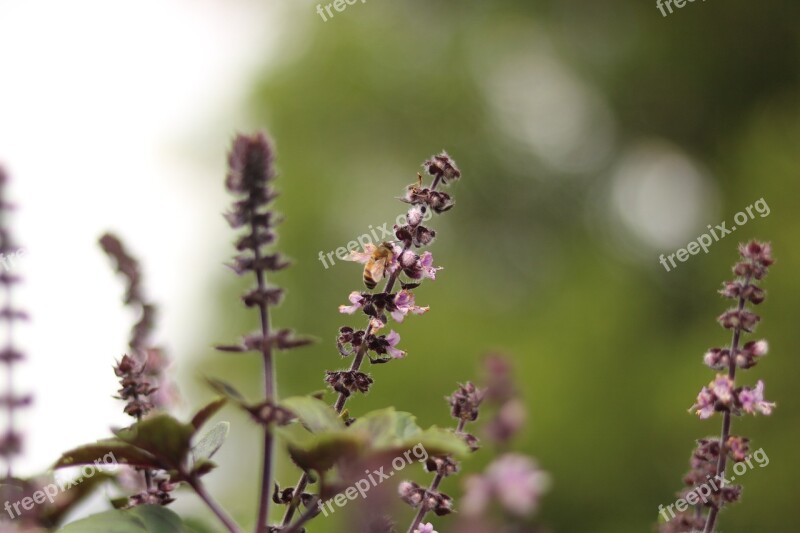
{"x": 377, "y": 268}
{"x": 362, "y": 257}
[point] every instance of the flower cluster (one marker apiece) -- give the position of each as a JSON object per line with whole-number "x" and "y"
{"x": 464, "y": 407}
{"x": 425, "y": 528}
{"x": 251, "y": 171}
{"x": 135, "y": 390}
{"x": 350, "y": 341}
{"x": 160, "y": 493}
{"x": 723, "y": 395}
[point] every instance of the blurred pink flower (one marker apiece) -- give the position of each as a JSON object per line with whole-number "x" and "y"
{"x": 514, "y": 480}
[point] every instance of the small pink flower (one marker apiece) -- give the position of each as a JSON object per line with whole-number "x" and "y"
{"x": 393, "y": 338}
{"x": 426, "y": 262}
{"x": 704, "y": 407}
{"x": 425, "y": 528}
{"x": 414, "y": 216}
{"x": 408, "y": 259}
{"x": 717, "y": 358}
{"x": 752, "y": 400}
{"x": 356, "y": 299}
{"x": 722, "y": 387}
{"x": 376, "y": 324}
{"x": 758, "y": 348}
{"x": 404, "y": 301}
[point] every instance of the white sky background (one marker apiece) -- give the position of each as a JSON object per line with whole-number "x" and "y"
{"x": 104, "y": 110}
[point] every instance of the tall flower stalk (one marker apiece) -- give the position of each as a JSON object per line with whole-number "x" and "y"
{"x": 251, "y": 171}
{"x": 707, "y": 486}
{"x": 11, "y": 440}
{"x": 395, "y": 262}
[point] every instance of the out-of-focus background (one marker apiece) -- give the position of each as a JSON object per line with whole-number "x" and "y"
{"x": 593, "y": 136}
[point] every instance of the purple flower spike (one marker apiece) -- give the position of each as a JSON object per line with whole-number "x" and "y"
{"x": 724, "y": 397}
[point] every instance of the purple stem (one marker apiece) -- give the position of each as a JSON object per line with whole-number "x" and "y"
{"x": 270, "y": 393}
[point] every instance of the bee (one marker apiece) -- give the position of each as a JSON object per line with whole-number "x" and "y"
{"x": 375, "y": 267}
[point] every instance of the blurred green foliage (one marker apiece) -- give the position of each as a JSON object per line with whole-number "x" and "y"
{"x": 607, "y": 345}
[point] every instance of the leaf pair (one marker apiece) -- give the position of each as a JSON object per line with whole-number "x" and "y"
{"x": 327, "y": 440}
{"x": 159, "y": 442}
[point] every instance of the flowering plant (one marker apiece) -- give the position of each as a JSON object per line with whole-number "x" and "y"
{"x": 158, "y": 453}
{"x": 707, "y": 488}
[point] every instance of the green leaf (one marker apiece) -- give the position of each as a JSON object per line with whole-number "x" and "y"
{"x": 68, "y": 500}
{"x": 385, "y": 431}
{"x": 438, "y": 441}
{"x": 207, "y": 412}
{"x": 227, "y": 390}
{"x": 212, "y": 441}
{"x": 320, "y": 451}
{"x": 387, "y": 428}
{"x": 122, "y": 452}
{"x": 163, "y": 436}
{"x": 193, "y": 525}
{"x": 396, "y": 431}
{"x": 315, "y": 414}
{"x": 143, "y": 519}
{"x": 203, "y": 467}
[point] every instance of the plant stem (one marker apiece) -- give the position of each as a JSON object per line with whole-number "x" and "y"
{"x": 310, "y": 513}
{"x": 437, "y": 480}
{"x": 270, "y": 393}
{"x": 198, "y": 487}
{"x": 341, "y": 401}
{"x": 726, "y": 417}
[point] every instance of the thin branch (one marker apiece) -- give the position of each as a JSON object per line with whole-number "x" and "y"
{"x": 226, "y": 520}
{"x": 311, "y": 512}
